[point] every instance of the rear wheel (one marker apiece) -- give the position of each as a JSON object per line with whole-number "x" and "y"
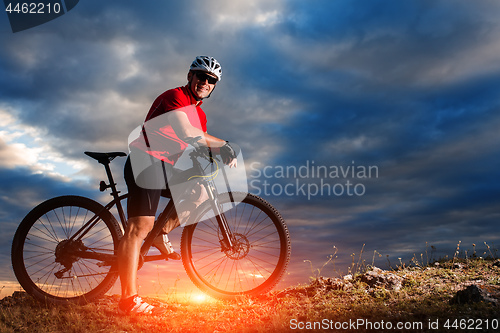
{"x": 255, "y": 263}
{"x": 49, "y": 265}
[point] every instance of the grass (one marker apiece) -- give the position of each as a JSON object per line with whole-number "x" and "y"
{"x": 324, "y": 304}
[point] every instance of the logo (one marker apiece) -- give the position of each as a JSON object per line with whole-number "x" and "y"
{"x": 28, "y": 14}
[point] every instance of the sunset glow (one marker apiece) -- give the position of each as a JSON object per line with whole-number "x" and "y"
{"x": 200, "y": 298}
{"x": 371, "y": 127}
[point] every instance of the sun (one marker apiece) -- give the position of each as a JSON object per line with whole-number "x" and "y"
{"x": 199, "y": 298}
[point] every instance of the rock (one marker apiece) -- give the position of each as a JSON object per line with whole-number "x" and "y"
{"x": 475, "y": 294}
{"x": 321, "y": 285}
{"x": 327, "y": 284}
{"x": 18, "y": 297}
{"x": 377, "y": 278}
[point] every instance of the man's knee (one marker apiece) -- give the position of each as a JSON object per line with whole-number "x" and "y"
{"x": 200, "y": 195}
{"x": 140, "y": 226}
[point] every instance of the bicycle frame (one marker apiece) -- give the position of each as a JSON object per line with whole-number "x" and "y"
{"x": 233, "y": 244}
{"x": 208, "y": 184}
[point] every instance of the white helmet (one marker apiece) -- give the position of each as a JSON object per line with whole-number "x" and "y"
{"x": 207, "y": 64}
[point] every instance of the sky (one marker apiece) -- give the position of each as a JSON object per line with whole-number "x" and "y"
{"x": 372, "y": 126}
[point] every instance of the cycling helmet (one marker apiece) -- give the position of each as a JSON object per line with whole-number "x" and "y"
{"x": 207, "y": 64}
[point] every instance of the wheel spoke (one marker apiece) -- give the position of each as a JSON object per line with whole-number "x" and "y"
{"x": 258, "y": 257}
{"x": 51, "y": 261}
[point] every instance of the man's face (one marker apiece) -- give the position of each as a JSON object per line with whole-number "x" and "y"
{"x": 202, "y": 83}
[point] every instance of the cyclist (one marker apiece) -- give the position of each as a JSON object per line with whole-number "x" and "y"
{"x": 164, "y": 143}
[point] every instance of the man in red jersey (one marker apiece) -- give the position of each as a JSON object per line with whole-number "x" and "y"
{"x": 174, "y": 117}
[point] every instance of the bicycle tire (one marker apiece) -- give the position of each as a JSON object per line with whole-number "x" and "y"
{"x": 40, "y": 235}
{"x": 260, "y": 262}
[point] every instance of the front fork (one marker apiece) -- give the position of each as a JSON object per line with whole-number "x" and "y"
{"x": 227, "y": 241}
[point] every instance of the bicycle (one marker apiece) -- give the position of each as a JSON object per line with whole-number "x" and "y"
{"x": 64, "y": 250}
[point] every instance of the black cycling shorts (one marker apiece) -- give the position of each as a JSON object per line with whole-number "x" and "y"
{"x": 144, "y": 201}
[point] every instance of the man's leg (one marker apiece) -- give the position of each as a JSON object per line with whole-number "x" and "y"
{"x": 172, "y": 223}
{"x": 128, "y": 252}
{"x": 198, "y": 196}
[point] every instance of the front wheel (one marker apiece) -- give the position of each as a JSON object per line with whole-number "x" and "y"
{"x": 51, "y": 266}
{"x": 258, "y": 258}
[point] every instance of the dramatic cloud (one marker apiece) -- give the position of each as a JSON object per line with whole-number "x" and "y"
{"x": 408, "y": 87}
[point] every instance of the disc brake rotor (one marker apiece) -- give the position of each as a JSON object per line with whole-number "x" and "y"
{"x": 240, "y": 249}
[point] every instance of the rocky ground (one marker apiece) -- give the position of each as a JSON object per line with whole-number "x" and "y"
{"x": 457, "y": 295}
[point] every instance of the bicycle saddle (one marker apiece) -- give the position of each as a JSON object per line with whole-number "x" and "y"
{"x": 104, "y": 158}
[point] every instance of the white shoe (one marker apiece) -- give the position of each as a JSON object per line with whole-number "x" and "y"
{"x": 162, "y": 243}
{"x": 135, "y": 305}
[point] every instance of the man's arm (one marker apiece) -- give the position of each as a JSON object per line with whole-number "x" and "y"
{"x": 184, "y": 130}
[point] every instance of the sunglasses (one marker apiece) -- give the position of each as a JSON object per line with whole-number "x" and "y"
{"x": 202, "y": 77}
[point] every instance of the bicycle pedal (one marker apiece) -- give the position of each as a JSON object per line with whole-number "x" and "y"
{"x": 173, "y": 256}
{"x": 103, "y": 263}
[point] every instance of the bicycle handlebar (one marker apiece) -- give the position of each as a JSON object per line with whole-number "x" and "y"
{"x": 200, "y": 150}
{"x": 193, "y": 141}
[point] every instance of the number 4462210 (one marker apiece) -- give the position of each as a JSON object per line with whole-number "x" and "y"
{"x": 471, "y": 324}
{"x": 34, "y": 8}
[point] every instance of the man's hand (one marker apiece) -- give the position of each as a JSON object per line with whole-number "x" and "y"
{"x": 228, "y": 155}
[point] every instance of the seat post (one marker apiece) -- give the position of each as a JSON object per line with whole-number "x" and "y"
{"x": 112, "y": 183}
{"x": 115, "y": 194}
{"x": 105, "y": 159}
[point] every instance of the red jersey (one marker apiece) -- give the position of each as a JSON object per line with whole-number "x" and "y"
{"x": 158, "y": 138}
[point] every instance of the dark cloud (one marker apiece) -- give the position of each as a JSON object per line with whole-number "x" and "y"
{"x": 407, "y": 86}
{"x": 20, "y": 192}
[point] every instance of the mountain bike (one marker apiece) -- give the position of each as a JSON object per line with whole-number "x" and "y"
{"x": 65, "y": 249}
